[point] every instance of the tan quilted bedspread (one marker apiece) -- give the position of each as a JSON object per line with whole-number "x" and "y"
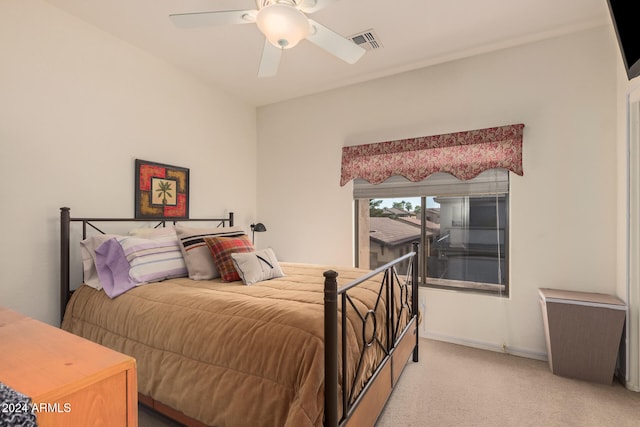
{"x": 224, "y": 353}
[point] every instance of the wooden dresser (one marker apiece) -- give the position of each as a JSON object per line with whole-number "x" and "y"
{"x": 70, "y": 380}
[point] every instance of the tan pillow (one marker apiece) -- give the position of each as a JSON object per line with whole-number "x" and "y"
{"x": 254, "y": 267}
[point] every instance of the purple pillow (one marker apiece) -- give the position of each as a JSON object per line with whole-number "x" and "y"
{"x": 113, "y": 268}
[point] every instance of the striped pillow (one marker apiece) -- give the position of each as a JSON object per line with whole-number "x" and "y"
{"x": 152, "y": 260}
{"x": 221, "y": 249}
{"x": 196, "y": 253}
{"x": 124, "y": 262}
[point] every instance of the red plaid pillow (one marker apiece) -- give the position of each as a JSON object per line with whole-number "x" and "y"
{"x": 221, "y": 249}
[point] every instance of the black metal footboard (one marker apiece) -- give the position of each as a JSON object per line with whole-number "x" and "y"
{"x": 400, "y": 300}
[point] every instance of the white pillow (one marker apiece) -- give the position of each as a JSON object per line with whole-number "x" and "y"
{"x": 254, "y": 267}
{"x": 154, "y": 233}
{"x": 142, "y": 260}
{"x": 88, "y": 248}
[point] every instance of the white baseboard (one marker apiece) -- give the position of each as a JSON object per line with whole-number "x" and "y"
{"x": 498, "y": 348}
{"x": 488, "y": 346}
{"x": 632, "y": 387}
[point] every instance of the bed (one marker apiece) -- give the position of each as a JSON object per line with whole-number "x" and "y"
{"x": 280, "y": 352}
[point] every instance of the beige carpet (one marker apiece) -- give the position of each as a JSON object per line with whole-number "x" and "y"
{"x": 455, "y": 385}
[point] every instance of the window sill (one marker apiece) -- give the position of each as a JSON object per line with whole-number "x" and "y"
{"x": 465, "y": 285}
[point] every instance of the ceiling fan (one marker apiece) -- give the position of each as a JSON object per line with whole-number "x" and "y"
{"x": 284, "y": 23}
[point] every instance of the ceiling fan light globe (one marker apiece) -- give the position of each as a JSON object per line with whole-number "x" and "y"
{"x": 284, "y": 26}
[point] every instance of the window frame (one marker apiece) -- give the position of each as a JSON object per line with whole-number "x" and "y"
{"x": 362, "y": 247}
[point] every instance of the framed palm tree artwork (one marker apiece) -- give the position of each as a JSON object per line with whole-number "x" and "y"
{"x": 161, "y": 191}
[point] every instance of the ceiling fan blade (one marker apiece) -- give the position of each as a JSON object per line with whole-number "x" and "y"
{"x": 334, "y": 43}
{"x": 270, "y": 60}
{"x": 204, "y": 19}
{"x": 310, "y": 6}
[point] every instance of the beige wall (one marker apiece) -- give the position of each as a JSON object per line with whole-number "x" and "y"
{"x": 77, "y": 106}
{"x": 563, "y": 210}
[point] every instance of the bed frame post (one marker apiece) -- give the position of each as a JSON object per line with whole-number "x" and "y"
{"x": 330, "y": 349}
{"x": 414, "y": 295}
{"x": 65, "y": 216}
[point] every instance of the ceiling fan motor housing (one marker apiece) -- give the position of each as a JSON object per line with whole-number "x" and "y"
{"x": 295, "y": 3}
{"x": 283, "y": 25}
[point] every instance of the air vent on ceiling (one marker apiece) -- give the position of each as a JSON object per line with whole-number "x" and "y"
{"x": 367, "y": 40}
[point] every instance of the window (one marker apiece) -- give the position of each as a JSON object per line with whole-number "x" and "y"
{"x": 462, "y": 182}
{"x": 462, "y": 227}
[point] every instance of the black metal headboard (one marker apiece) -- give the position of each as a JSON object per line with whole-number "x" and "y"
{"x": 65, "y": 236}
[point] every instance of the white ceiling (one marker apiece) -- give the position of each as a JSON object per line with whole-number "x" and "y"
{"x": 414, "y": 34}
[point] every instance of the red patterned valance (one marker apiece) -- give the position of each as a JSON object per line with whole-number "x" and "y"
{"x": 462, "y": 154}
